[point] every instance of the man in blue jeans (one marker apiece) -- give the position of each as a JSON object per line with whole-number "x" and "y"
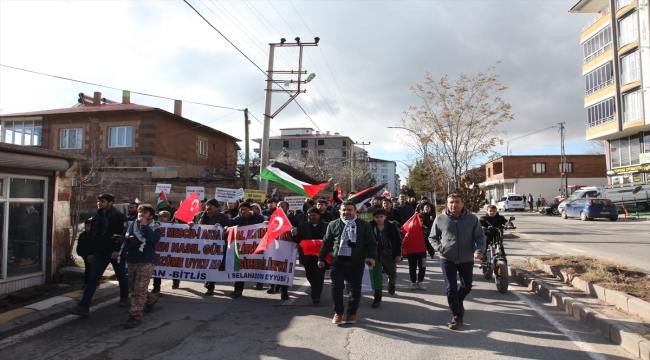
{"x": 458, "y": 237}
{"x": 350, "y": 242}
{"x": 106, "y": 232}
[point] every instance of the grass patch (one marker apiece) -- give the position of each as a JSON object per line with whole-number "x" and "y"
{"x": 604, "y": 273}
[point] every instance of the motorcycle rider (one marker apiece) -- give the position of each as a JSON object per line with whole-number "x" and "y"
{"x": 492, "y": 219}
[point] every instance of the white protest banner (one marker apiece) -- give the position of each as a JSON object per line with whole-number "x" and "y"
{"x": 199, "y": 189}
{"x": 295, "y": 202}
{"x": 225, "y": 194}
{"x": 201, "y": 253}
{"x": 259, "y": 195}
{"x": 240, "y": 193}
{"x": 274, "y": 190}
{"x": 166, "y": 187}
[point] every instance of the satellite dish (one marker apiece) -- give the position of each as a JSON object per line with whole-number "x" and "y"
{"x": 636, "y": 189}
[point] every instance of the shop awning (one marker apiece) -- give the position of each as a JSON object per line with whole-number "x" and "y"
{"x": 24, "y": 161}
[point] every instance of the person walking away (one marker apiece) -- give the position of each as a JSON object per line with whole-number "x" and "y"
{"x": 313, "y": 229}
{"x": 350, "y": 243}
{"x": 106, "y": 232}
{"x": 389, "y": 245}
{"x": 417, "y": 261}
{"x": 83, "y": 249}
{"x": 141, "y": 259}
{"x": 210, "y": 216}
{"x": 458, "y": 237}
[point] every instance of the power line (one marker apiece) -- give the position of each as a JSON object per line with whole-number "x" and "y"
{"x": 114, "y": 88}
{"x": 533, "y": 133}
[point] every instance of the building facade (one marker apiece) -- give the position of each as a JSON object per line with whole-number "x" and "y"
{"x": 130, "y": 148}
{"x": 540, "y": 175}
{"x": 385, "y": 171}
{"x": 616, "y": 72}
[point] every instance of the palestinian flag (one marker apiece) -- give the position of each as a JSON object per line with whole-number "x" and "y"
{"x": 362, "y": 196}
{"x": 293, "y": 179}
{"x": 232, "y": 254}
{"x": 162, "y": 201}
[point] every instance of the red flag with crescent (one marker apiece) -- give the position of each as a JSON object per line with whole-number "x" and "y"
{"x": 278, "y": 224}
{"x": 190, "y": 206}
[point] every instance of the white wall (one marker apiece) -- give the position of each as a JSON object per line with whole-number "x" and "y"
{"x": 549, "y": 188}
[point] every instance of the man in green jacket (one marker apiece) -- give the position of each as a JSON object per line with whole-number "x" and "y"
{"x": 351, "y": 243}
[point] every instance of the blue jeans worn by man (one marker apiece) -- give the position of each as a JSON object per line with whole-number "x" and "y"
{"x": 98, "y": 266}
{"x": 455, "y": 294}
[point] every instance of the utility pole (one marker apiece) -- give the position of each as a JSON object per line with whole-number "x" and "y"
{"x": 563, "y": 166}
{"x": 246, "y": 151}
{"x": 352, "y": 162}
{"x": 265, "y": 153}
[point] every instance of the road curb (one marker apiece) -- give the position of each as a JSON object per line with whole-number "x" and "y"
{"x": 617, "y": 332}
{"x": 47, "y": 309}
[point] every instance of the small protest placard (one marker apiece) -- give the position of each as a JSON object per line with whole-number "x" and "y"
{"x": 259, "y": 195}
{"x": 199, "y": 189}
{"x": 295, "y": 202}
{"x": 166, "y": 187}
{"x": 226, "y": 194}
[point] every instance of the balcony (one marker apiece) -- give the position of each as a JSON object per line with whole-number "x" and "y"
{"x": 594, "y": 20}
{"x": 630, "y": 76}
{"x": 628, "y": 38}
{"x": 602, "y": 121}
{"x": 623, "y": 3}
{"x": 599, "y": 87}
{"x": 633, "y": 114}
{"x": 597, "y": 53}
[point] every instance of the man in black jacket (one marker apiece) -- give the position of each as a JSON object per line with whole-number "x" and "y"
{"x": 246, "y": 217}
{"x": 211, "y": 216}
{"x": 389, "y": 245}
{"x": 314, "y": 229}
{"x": 106, "y": 231}
{"x": 325, "y": 214}
{"x": 392, "y": 214}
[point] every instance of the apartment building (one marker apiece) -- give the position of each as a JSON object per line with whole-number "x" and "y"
{"x": 385, "y": 171}
{"x": 130, "y": 148}
{"x": 540, "y": 175}
{"x": 616, "y": 71}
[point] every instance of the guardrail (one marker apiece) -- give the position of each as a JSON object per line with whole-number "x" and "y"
{"x": 599, "y": 87}
{"x": 602, "y": 121}
{"x": 593, "y": 21}
{"x": 596, "y": 53}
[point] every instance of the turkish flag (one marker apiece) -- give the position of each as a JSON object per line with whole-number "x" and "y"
{"x": 312, "y": 248}
{"x": 278, "y": 224}
{"x": 413, "y": 236}
{"x": 190, "y": 206}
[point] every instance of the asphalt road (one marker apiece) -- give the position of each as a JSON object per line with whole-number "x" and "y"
{"x": 624, "y": 241}
{"x": 411, "y": 324}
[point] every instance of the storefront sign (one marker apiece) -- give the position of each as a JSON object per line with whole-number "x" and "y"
{"x": 644, "y": 158}
{"x": 630, "y": 169}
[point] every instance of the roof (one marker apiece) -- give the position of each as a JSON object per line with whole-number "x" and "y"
{"x": 371, "y": 159}
{"x": 589, "y": 6}
{"x": 298, "y": 128}
{"x": 304, "y": 137}
{"x": 546, "y": 155}
{"x": 118, "y": 107}
{"x": 39, "y": 151}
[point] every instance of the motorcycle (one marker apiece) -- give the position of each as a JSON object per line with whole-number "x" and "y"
{"x": 495, "y": 261}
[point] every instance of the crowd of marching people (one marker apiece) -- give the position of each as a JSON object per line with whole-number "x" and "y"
{"x": 349, "y": 243}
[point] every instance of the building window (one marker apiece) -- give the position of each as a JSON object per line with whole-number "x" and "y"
{"x": 344, "y": 153}
{"x": 304, "y": 153}
{"x": 344, "y": 143}
{"x": 615, "y": 153}
{"x": 285, "y": 144}
{"x": 625, "y": 151}
{"x": 630, "y": 68}
{"x": 71, "y": 138}
{"x": 601, "y": 113}
{"x": 321, "y": 142}
{"x": 489, "y": 172}
{"x": 646, "y": 142}
{"x": 539, "y": 168}
{"x": 373, "y": 170}
{"x": 202, "y": 148}
{"x": 384, "y": 177}
{"x": 384, "y": 165}
{"x": 633, "y": 106}
{"x": 384, "y": 171}
{"x": 568, "y": 167}
{"x": 628, "y": 29}
{"x": 597, "y": 45}
{"x": 27, "y": 133}
{"x": 599, "y": 79}
{"x": 120, "y": 136}
{"x": 304, "y": 143}
{"x": 214, "y": 147}
{"x": 321, "y": 152}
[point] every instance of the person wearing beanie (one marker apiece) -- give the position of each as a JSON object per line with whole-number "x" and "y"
{"x": 246, "y": 217}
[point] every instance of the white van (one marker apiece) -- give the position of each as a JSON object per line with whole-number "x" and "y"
{"x": 512, "y": 202}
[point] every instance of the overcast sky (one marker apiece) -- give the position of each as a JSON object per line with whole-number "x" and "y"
{"x": 370, "y": 53}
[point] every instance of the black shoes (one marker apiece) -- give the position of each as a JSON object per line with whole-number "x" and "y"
{"x": 376, "y": 303}
{"x": 391, "y": 289}
{"x": 210, "y": 291}
{"x": 149, "y": 307}
{"x": 284, "y": 296}
{"x": 132, "y": 323}
{"x": 155, "y": 290}
{"x": 237, "y": 293}
{"x": 79, "y": 310}
{"x": 176, "y": 284}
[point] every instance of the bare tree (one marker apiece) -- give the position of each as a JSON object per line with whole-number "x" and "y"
{"x": 458, "y": 120}
{"x": 594, "y": 147}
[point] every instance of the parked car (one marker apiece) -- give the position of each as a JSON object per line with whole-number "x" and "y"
{"x": 550, "y": 209}
{"x": 587, "y": 209}
{"x": 512, "y": 202}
